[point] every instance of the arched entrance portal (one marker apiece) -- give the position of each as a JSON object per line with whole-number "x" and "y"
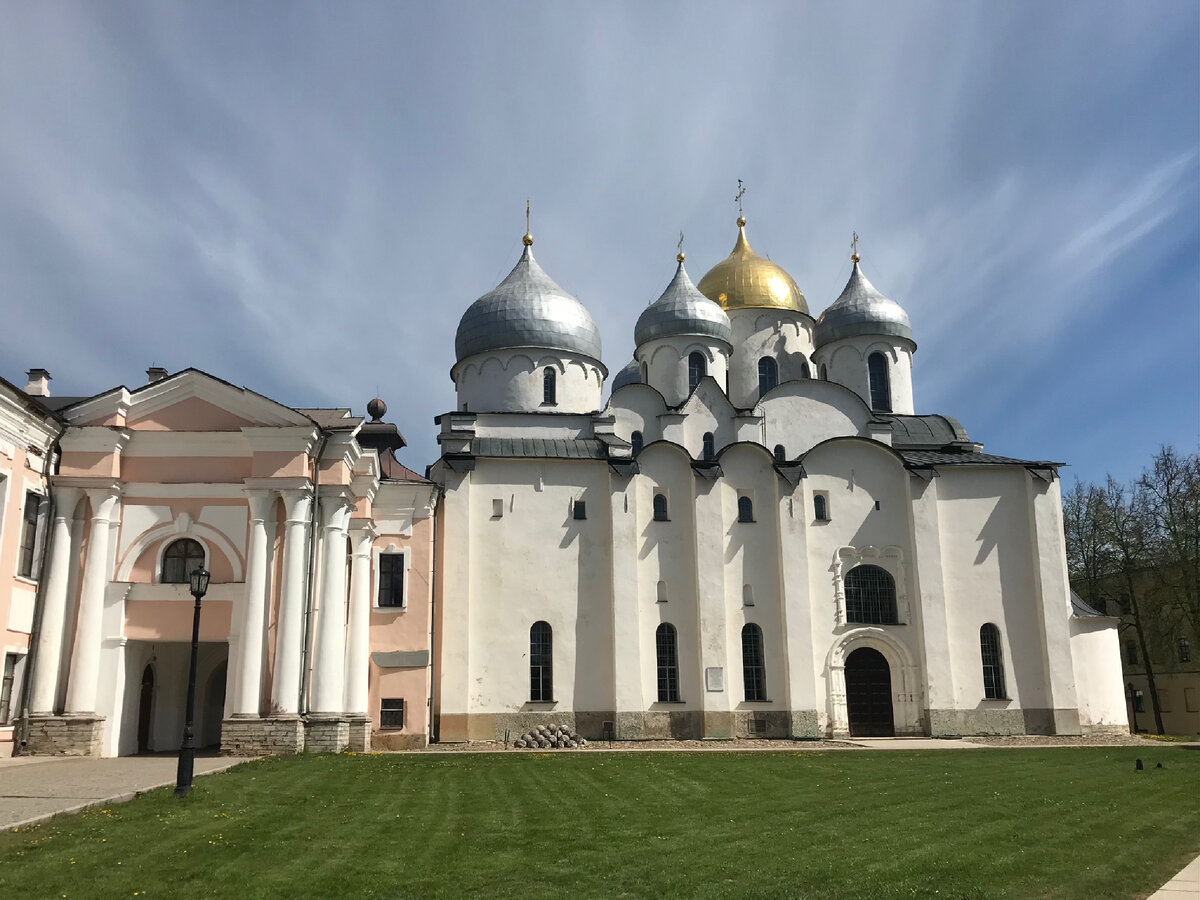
{"x": 145, "y": 707}
{"x": 869, "y": 694}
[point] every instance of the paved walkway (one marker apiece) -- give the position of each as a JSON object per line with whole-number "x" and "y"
{"x": 1184, "y": 886}
{"x": 35, "y": 788}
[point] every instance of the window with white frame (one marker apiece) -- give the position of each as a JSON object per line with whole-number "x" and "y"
{"x": 179, "y": 559}
{"x": 391, "y": 714}
{"x": 391, "y": 580}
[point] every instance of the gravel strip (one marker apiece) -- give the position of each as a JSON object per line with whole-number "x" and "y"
{"x": 1065, "y": 740}
{"x": 635, "y": 746}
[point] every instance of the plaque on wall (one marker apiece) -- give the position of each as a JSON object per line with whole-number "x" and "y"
{"x": 714, "y": 678}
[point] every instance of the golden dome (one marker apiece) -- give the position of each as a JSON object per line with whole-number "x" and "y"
{"x": 746, "y": 279}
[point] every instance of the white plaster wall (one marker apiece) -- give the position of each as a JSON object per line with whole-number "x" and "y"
{"x": 1096, "y": 653}
{"x": 783, "y": 335}
{"x": 636, "y": 407}
{"x": 511, "y": 381}
{"x": 802, "y": 414}
{"x": 666, "y": 362}
{"x": 847, "y": 364}
{"x": 989, "y": 577}
{"x": 534, "y": 425}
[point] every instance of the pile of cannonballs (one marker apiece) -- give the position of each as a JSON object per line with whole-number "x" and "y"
{"x": 549, "y": 737}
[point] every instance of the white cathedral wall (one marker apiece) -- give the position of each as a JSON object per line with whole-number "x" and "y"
{"x": 783, "y": 335}
{"x": 666, "y": 364}
{"x": 512, "y": 381}
{"x": 1096, "y": 653}
{"x": 802, "y": 414}
{"x": 846, "y": 361}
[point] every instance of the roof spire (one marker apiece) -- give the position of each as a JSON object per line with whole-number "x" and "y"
{"x": 854, "y": 257}
{"x": 741, "y": 193}
{"x": 680, "y": 256}
{"x": 527, "y": 240}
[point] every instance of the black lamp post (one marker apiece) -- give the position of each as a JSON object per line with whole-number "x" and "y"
{"x": 187, "y": 750}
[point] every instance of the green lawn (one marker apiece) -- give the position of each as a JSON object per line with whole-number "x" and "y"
{"x": 1077, "y": 823}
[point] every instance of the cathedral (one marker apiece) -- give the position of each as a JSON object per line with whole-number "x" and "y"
{"x": 754, "y": 535}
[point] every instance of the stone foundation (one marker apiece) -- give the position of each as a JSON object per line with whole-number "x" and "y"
{"x": 326, "y": 734}
{"x": 955, "y": 722}
{"x": 768, "y": 724}
{"x": 358, "y": 735}
{"x": 397, "y": 740}
{"x": 64, "y": 736}
{"x": 804, "y": 725}
{"x": 254, "y": 736}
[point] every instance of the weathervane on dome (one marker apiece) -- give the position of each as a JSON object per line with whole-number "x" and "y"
{"x": 854, "y": 257}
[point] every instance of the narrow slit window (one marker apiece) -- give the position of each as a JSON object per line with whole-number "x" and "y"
{"x": 820, "y": 508}
{"x": 697, "y": 369}
{"x": 881, "y": 392}
{"x": 549, "y": 386}
{"x": 754, "y": 668}
{"x": 993, "y": 663}
{"x": 660, "y": 507}
{"x": 636, "y": 443}
{"x": 391, "y": 580}
{"x": 29, "y": 529}
{"x": 745, "y": 509}
{"x": 768, "y": 375}
{"x": 780, "y": 454}
{"x": 541, "y": 663}
{"x": 709, "y": 451}
{"x": 668, "y": 663}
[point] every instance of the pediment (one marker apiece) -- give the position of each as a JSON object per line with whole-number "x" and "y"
{"x": 709, "y": 397}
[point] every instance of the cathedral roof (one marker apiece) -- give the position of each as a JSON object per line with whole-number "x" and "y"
{"x": 745, "y": 279}
{"x": 630, "y": 374}
{"x": 527, "y": 309}
{"x": 682, "y": 311}
{"x": 861, "y": 309}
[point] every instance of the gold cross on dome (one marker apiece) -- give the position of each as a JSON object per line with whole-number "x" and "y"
{"x": 741, "y": 193}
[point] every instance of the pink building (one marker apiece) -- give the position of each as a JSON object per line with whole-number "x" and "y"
{"x": 315, "y": 632}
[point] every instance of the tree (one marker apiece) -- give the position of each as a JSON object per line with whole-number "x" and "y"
{"x": 1172, "y": 490}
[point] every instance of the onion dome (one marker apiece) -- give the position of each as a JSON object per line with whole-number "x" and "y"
{"x": 745, "y": 279}
{"x": 630, "y": 373}
{"x": 861, "y": 309}
{"x": 527, "y": 309}
{"x": 682, "y": 311}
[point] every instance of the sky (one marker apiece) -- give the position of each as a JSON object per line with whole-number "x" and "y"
{"x": 304, "y": 198}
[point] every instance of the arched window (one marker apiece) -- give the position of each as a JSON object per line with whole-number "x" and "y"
{"x": 668, "y": 663}
{"x": 645, "y": 370}
{"x": 541, "y": 663}
{"x": 993, "y": 663}
{"x": 710, "y": 446}
{"x": 635, "y": 440}
{"x": 549, "y": 386}
{"x": 660, "y": 507}
{"x": 820, "y": 508}
{"x": 805, "y": 372}
{"x": 179, "y": 559}
{"x": 780, "y": 454}
{"x": 754, "y": 667}
{"x": 870, "y": 596}
{"x": 745, "y": 509}
{"x": 824, "y": 372}
{"x": 881, "y": 392}
{"x": 697, "y": 369}
{"x": 662, "y": 592}
{"x": 768, "y": 375}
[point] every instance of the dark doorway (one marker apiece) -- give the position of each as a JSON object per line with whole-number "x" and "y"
{"x": 145, "y": 707}
{"x": 869, "y": 694}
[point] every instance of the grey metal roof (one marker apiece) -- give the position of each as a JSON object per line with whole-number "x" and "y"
{"x": 527, "y": 309}
{"x": 968, "y": 458}
{"x": 630, "y": 374}
{"x": 924, "y": 431}
{"x": 682, "y": 311}
{"x": 336, "y": 417}
{"x": 861, "y": 309}
{"x": 1081, "y": 607}
{"x": 539, "y": 448}
{"x": 401, "y": 659}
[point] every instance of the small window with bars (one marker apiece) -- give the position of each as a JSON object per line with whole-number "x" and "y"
{"x": 821, "y": 507}
{"x": 745, "y": 509}
{"x": 993, "y": 663}
{"x": 709, "y": 451}
{"x": 29, "y": 530}
{"x": 391, "y": 580}
{"x": 391, "y": 714}
{"x": 870, "y": 596}
{"x": 754, "y": 669}
{"x": 541, "y": 663}
{"x": 668, "y": 663}
{"x": 660, "y": 508}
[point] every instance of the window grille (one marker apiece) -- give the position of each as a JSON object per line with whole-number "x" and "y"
{"x": 881, "y": 394}
{"x": 179, "y": 559}
{"x": 391, "y": 714}
{"x": 820, "y": 508}
{"x": 29, "y": 528}
{"x": 768, "y": 375}
{"x": 668, "y": 663}
{"x": 697, "y": 369}
{"x": 993, "y": 665}
{"x": 636, "y": 440}
{"x": 1185, "y": 650}
{"x": 660, "y": 507}
{"x": 754, "y": 669}
{"x": 541, "y": 663}
{"x": 391, "y": 579}
{"x": 549, "y": 386}
{"x": 710, "y": 446}
{"x": 745, "y": 509}
{"x": 870, "y": 596}
{"x": 780, "y": 454}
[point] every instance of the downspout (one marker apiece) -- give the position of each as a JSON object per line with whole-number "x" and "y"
{"x": 21, "y": 731}
{"x": 434, "y": 732}
{"x": 310, "y": 582}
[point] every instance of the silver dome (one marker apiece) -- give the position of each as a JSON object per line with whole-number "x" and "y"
{"x": 861, "y": 310}
{"x": 527, "y": 309}
{"x": 630, "y": 373}
{"x": 682, "y": 310}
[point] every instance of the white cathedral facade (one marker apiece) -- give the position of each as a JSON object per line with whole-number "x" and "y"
{"x": 756, "y": 535}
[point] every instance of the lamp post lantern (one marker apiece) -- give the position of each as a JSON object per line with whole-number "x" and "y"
{"x": 187, "y": 750}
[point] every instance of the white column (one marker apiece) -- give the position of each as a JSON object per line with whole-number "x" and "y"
{"x": 248, "y": 683}
{"x": 85, "y": 660}
{"x": 289, "y": 635}
{"x": 329, "y": 664}
{"x": 54, "y": 608}
{"x": 358, "y": 647}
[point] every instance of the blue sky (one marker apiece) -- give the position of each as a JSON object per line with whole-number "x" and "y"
{"x": 304, "y": 198}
